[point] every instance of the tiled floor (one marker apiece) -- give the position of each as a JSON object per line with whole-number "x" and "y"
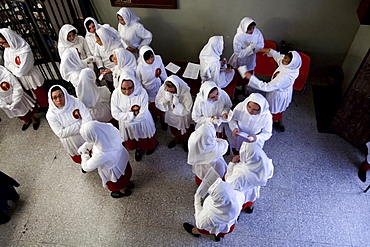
{"x": 314, "y": 198}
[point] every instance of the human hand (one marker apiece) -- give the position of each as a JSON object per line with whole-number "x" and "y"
{"x": 252, "y": 45}
{"x": 175, "y": 100}
{"x": 236, "y": 159}
{"x": 225, "y": 115}
{"x": 235, "y": 132}
{"x": 214, "y": 120}
{"x": 168, "y": 96}
{"x": 265, "y": 51}
{"x": 248, "y": 75}
{"x": 252, "y": 138}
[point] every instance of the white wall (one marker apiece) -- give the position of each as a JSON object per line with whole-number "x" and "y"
{"x": 324, "y": 29}
{"x": 356, "y": 53}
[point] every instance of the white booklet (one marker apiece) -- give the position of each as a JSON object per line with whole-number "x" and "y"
{"x": 210, "y": 177}
{"x": 242, "y": 70}
{"x": 191, "y": 71}
{"x": 225, "y": 120}
{"x": 172, "y": 68}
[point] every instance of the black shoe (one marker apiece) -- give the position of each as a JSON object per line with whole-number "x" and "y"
{"x": 131, "y": 186}
{"x": 172, "y": 144}
{"x": 276, "y": 125}
{"x": 138, "y": 154}
{"x": 83, "y": 171}
{"x": 119, "y": 194}
{"x": 164, "y": 125}
{"x": 188, "y": 227}
{"x": 185, "y": 146}
{"x": 249, "y": 210}
{"x": 26, "y": 125}
{"x": 362, "y": 175}
{"x": 151, "y": 151}
{"x": 228, "y": 150}
{"x": 36, "y": 125}
{"x": 217, "y": 239}
{"x": 282, "y": 128}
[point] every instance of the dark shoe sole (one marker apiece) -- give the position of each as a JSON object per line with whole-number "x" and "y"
{"x": 138, "y": 155}
{"x": 25, "y": 126}
{"x": 119, "y": 194}
{"x": 188, "y": 227}
{"x": 172, "y": 144}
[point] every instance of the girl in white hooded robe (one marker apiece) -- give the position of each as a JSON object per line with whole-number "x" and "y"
{"x": 219, "y": 212}
{"x": 129, "y": 106}
{"x": 279, "y": 90}
{"x": 96, "y": 99}
{"x": 15, "y": 102}
{"x": 131, "y": 31}
{"x": 108, "y": 41}
{"x": 68, "y": 38}
{"x": 66, "y": 114}
{"x": 71, "y": 66}
{"x": 211, "y": 104}
{"x": 175, "y": 100}
{"x": 249, "y": 171}
{"x": 19, "y": 59}
{"x": 205, "y": 151}
{"x": 91, "y": 25}
{"x": 253, "y": 118}
{"x": 124, "y": 62}
{"x": 151, "y": 73}
{"x": 212, "y": 69}
{"x": 108, "y": 156}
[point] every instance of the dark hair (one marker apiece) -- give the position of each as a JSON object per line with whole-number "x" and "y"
{"x": 2, "y": 36}
{"x": 110, "y": 58}
{"x": 73, "y": 31}
{"x": 87, "y": 24}
{"x": 171, "y": 85}
{"x": 250, "y": 26}
{"x": 290, "y": 55}
{"x": 56, "y": 88}
{"x": 212, "y": 90}
{"x": 147, "y": 54}
{"x": 96, "y": 35}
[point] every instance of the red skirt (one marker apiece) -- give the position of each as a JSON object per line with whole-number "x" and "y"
{"x": 177, "y": 133}
{"x": 143, "y": 144}
{"x": 41, "y": 96}
{"x": 277, "y": 116}
{"x": 154, "y": 110}
{"x": 123, "y": 181}
{"x": 76, "y": 159}
{"x": 221, "y": 235}
{"x": 28, "y": 117}
{"x": 198, "y": 181}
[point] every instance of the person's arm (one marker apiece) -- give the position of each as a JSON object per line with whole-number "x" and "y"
{"x": 266, "y": 131}
{"x": 260, "y": 41}
{"x": 84, "y": 112}
{"x": 117, "y": 113}
{"x": 59, "y": 130}
{"x": 275, "y": 84}
{"x": 17, "y": 90}
{"x": 26, "y": 64}
{"x": 145, "y": 35}
{"x": 197, "y": 115}
{"x": 160, "y": 100}
{"x": 89, "y": 164}
{"x": 241, "y": 49}
{"x": 182, "y": 108}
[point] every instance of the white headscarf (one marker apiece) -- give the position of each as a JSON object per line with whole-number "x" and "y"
{"x": 243, "y": 26}
{"x": 17, "y": 44}
{"x": 63, "y": 42}
{"x": 222, "y": 203}
{"x": 253, "y": 169}
{"x": 87, "y": 91}
{"x": 141, "y": 59}
{"x": 104, "y": 136}
{"x": 212, "y": 51}
{"x": 125, "y": 59}
{"x": 128, "y": 75}
{"x": 204, "y": 146}
{"x": 128, "y": 16}
{"x": 292, "y": 69}
{"x": 109, "y": 39}
{"x": 181, "y": 86}
{"x": 69, "y": 103}
{"x": 258, "y": 99}
{"x": 204, "y": 101}
{"x": 70, "y": 63}
{"x": 97, "y": 25}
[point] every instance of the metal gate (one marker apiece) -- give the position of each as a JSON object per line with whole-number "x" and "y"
{"x": 38, "y": 22}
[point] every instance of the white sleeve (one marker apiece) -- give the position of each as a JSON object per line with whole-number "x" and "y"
{"x": 145, "y": 35}
{"x": 117, "y": 113}
{"x": 183, "y": 108}
{"x": 275, "y": 84}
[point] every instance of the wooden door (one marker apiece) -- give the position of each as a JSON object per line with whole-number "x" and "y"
{"x": 352, "y": 120}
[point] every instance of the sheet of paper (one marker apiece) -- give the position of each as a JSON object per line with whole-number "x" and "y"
{"x": 172, "y": 68}
{"x": 191, "y": 71}
{"x": 243, "y": 134}
{"x": 210, "y": 177}
{"x": 242, "y": 70}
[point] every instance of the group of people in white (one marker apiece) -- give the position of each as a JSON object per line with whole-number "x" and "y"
{"x": 98, "y": 125}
